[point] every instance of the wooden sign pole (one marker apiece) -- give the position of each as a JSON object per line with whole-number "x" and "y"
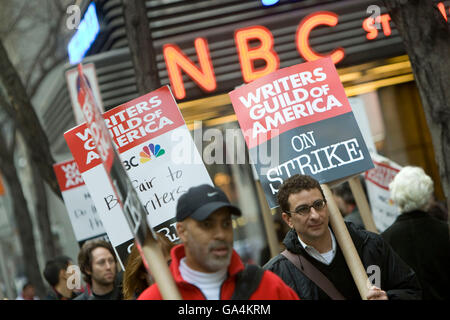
{"x": 272, "y": 238}
{"x": 362, "y": 204}
{"x": 346, "y": 244}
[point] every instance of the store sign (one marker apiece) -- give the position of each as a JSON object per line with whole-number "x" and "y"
{"x": 305, "y": 108}
{"x": 86, "y": 34}
{"x": 204, "y": 75}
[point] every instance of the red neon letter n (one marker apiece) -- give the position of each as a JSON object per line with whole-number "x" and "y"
{"x": 176, "y": 60}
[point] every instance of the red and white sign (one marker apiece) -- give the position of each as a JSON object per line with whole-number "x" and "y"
{"x": 158, "y": 154}
{"x": 294, "y": 97}
{"x": 300, "y": 120}
{"x": 73, "y": 85}
{"x": 377, "y": 183}
{"x": 129, "y": 125}
{"x": 82, "y": 212}
{"x": 94, "y": 121}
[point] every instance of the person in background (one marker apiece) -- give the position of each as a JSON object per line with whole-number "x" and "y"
{"x": 28, "y": 293}
{"x": 99, "y": 267}
{"x": 205, "y": 266}
{"x": 419, "y": 239}
{"x": 438, "y": 209}
{"x": 135, "y": 277}
{"x": 312, "y": 245}
{"x": 56, "y": 274}
{"x": 347, "y": 206}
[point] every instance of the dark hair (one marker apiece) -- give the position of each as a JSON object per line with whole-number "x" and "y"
{"x": 85, "y": 256}
{"x": 53, "y": 267}
{"x": 296, "y": 184}
{"x": 343, "y": 190}
{"x": 27, "y": 284}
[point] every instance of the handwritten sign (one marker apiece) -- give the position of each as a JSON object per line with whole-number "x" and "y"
{"x": 377, "y": 183}
{"x": 82, "y": 212}
{"x": 149, "y": 134}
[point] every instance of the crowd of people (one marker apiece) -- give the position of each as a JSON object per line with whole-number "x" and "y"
{"x": 412, "y": 256}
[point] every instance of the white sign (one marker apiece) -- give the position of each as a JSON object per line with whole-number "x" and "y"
{"x": 143, "y": 132}
{"x": 377, "y": 183}
{"x": 83, "y": 215}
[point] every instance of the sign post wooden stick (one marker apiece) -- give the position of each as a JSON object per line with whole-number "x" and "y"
{"x": 272, "y": 238}
{"x": 363, "y": 205}
{"x": 346, "y": 244}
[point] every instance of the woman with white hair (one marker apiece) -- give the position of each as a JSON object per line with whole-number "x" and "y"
{"x": 419, "y": 239}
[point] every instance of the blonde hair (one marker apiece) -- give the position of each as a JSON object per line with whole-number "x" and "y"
{"x": 411, "y": 189}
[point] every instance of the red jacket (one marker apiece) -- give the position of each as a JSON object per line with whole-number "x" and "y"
{"x": 270, "y": 288}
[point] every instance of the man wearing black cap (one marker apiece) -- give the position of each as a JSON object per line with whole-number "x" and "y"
{"x": 205, "y": 266}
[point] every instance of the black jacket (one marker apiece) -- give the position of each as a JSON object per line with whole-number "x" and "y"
{"x": 55, "y": 295}
{"x": 423, "y": 243}
{"x": 115, "y": 294}
{"x": 397, "y": 278}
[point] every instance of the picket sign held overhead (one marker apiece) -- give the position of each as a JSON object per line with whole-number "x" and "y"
{"x": 298, "y": 120}
{"x": 73, "y": 85}
{"x": 83, "y": 215}
{"x": 112, "y": 176}
{"x": 158, "y": 154}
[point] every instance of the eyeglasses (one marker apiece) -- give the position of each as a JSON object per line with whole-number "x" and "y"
{"x": 305, "y": 209}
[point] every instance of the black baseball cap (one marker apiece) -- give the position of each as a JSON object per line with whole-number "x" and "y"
{"x": 201, "y": 201}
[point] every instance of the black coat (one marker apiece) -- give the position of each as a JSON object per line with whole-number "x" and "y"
{"x": 397, "y": 278}
{"x": 423, "y": 243}
{"x": 115, "y": 294}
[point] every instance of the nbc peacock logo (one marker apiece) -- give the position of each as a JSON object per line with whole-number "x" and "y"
{"x": 147, "y": 152}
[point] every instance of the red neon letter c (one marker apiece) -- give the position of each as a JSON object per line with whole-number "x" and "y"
{"x": 304, "y": 29}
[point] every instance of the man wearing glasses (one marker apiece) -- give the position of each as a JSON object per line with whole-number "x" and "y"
{"x": 314, "y": 265}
